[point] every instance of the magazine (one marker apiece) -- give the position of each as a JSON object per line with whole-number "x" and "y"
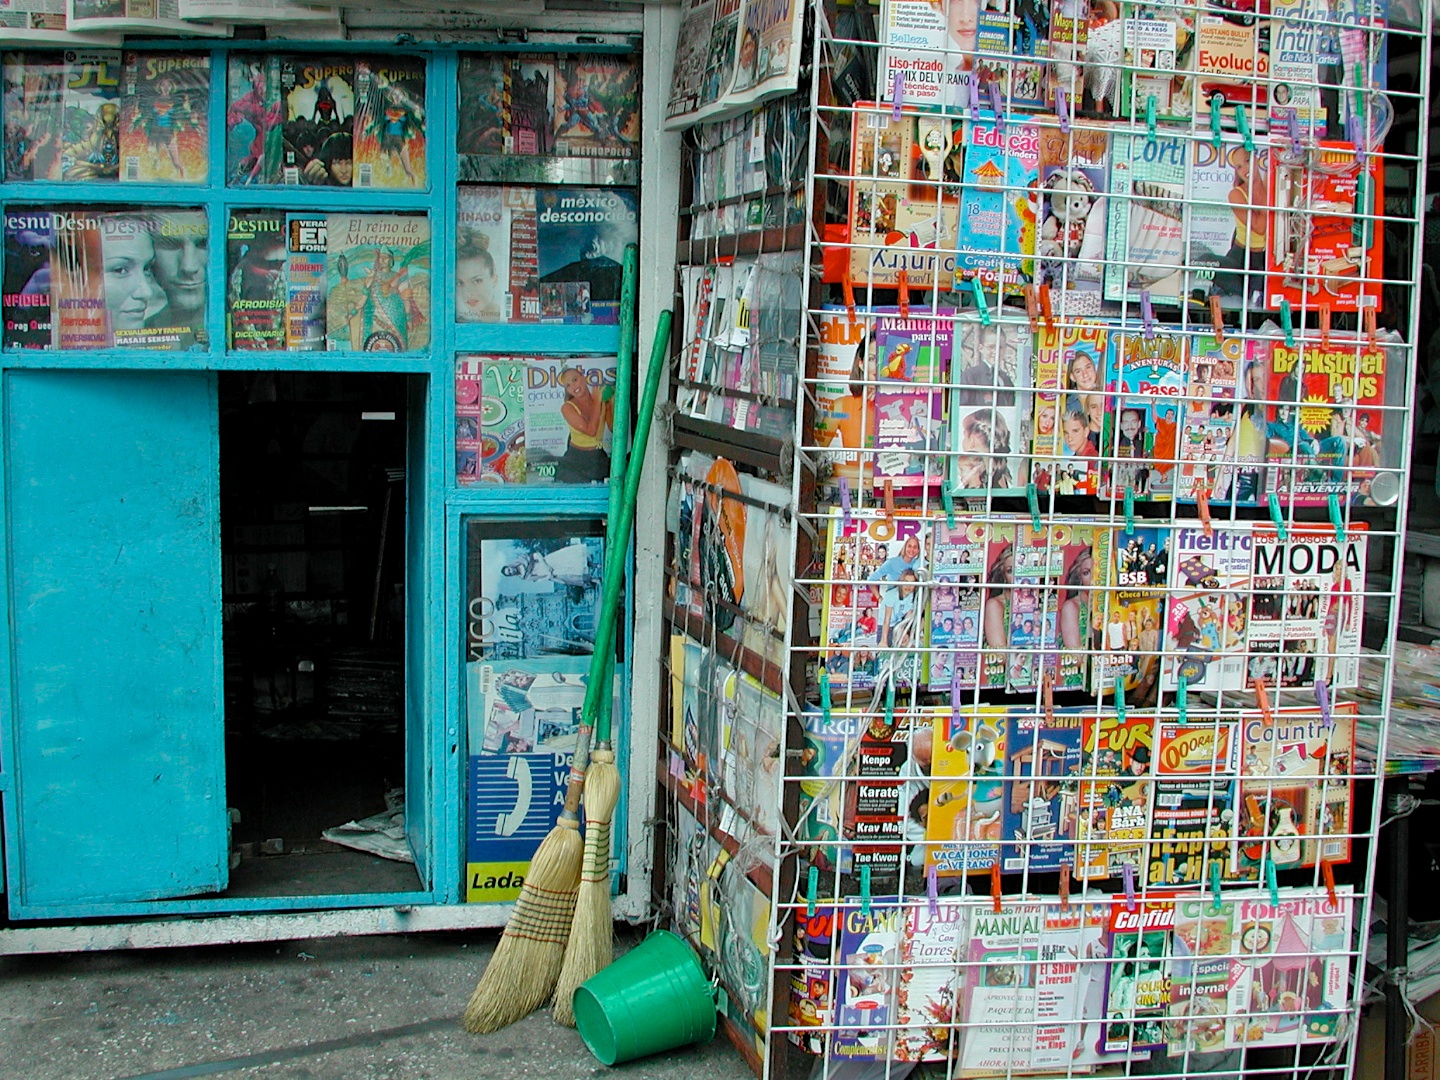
{"x": 814, "y": 943}
{"x": 1159, "y": 52}
{"x": 830, "y": 741}
{"x": 29, "y": 320}
{"x": 525, "y": 706}
{"x": 1192, "y": 824}
{"x": 597, "y": 110}
{"x": 956, "y": 604}
{"x": 990, "y": 409}
{"x": 930, "y": 56}
{"x": 1228, "y": 224}
{"x": 880, "y": 803}
{"x": 1146, "y": 373}
{"x": 995, "y": 617}
{"x": 692, "y": 46}
{"x": 1137, "y": 991}
{"x": 569, "y": 416}
{"x": 868, "y": 974}
{"x": 1041, "y": 798}
{"x": 1233, "y": 63}
{"x": 749, "y": 759}
{"x": 997, "y": 218}
{"x": 964, "y": 823}
{"x": 913, "y": 364}
{"x": 1206, "y": 622}
{"x": 1002, "y": 963}
{"x": 1300, "y": 64}
{"x": 1070, "y": 407}
{"x": 844, "y": 393}
{"x": 257, "y": 289}
{"x": 1070, "y": 246}
{"x": 378, "y": 273}
{"x": 389, "y": 126}
{"x": 1145, "y": 237}
{"x": 178, "y": 271}
{"x": 734, "y": 55}
{"x": 160, "y": 18}
{"x": 165, "y": 117}
{"x": 255, "y": 119}
{"x": 1070, "y": 996}
{"x": 1208, "y": 433}
{"x": 306, "y": 243}
{"x": 1131, "y": 583}
{"x": 928, "y": 1001}
{"x": 319, "y": 126}
{"x": 34, "y": 104}
{"x": 1115, "y": 792}
{"x": 1199, "y": 971}
{"x": 90, "y": 134}
{"x": 490, "y": 420}
{"x": 1033, "y": 613}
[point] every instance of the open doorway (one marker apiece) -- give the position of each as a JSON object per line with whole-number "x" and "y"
{"x": 313, "y": 542}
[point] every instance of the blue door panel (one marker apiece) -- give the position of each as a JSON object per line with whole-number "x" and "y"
{"x": 113, "y": 532}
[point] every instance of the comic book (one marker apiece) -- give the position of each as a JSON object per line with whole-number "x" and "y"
{"x": 165, "y": 117}
{"x": 525, "y": 706}
{"x": 305, "y": 236}
{"x": 1290, "y": 976}
{"x": 1199, "y": 974}
{"x": 1001, "y": 965}
{"x": 597, "y": 105}
{"x": 532, "y": 106}
{"x": 913, "y": 364}
{"x": 1192, "y": 822}
{"x": 928, "y": 1002}
{"x": 1069, "y": 407}
{"x": 490, "y": 420}
{"x": 568, "y": 419}
{"x": 378, "y": 273}
{"x": 1132, "y": 599}
{"x": 484, "y": 79}
{"x": 868, "y": 975}
{"x": 1041, "y": 797}
{"x": 1207, "y": 616}
{"x": 956, "y": 605}
{"x": 990, "y": 409}
{"x": 90, "y": 135}
{"x": 1145, "y": 235}
{"x": 1137, "y": 992}
{"x": 319, "y": 128}
{"x": 1033, "y": 611}
{"x": 1307, "y": 605}
{"x": 1070, "y": 248}
{"x": 257, "y": 288}
{"x": 1209, "y": 413}
{"x": 999, "y": 583}
{"x": 1228, "y": 224}
{"x": 29, "y": 319}
{"x": 997, "y": 216}
{"x": 1319, "y": 250}
{"x": 963, "y": 829}
{"x": 581, "y": 235}
{"x": 34, "y": 108}
{"x": 1327, "y": 408}
{"x": 1115, "y": 792}
{"x": 532, "y": 588}
{"x": 389, "y": 125}
{"x": 254, "y": 119}
{"x": 871, "y": 612}
{"x": 81, "y": 320}
{"x": 1295, "y": 800}
{"x": 1146, "y": 373}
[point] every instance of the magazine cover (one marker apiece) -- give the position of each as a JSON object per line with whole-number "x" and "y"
{"x": 845, "y": 394}
{"x": 963, "y": 827}
{"x": 34, "y": 106}
{"x": 532, "y": 588}
{"x": 1145, "y": 237}
{"x": 1115, "y": 791}
{"x": 490, "y": 420}
{"x": 569, "y": 415}
{"x": 930, "y": 47}
{"x": 830, "y": 741}
{"x": 877, "y": 818}
{"x": 495, "y": 255}
{"x": 1132, "y": 585}
{"x": 1041, "y": 799}
{"x": 1206, "y": 621}
{"x": 913, "y": 357}
{"x": 997, "y": 212}
{"x": 1319, "y": 250}
{"x": 1010, "y": 42}
{"x": 1070, "y": 407}
{"x": 683, "y": 105}
{"x": 597, "y": 105}
{"x": 769, "y": 585}
{"x": 257, "y": 285}
{"x": 306, "y": 241}
{"x": 1199, "y": 975}
{"x": 255, "y": 119}
{"x": 995, "y": 617}
{"x": 990, "y": 409}
{"x": 1228, "y": 224}
{"x": 389, "y": 127}
{"x": 766, "y": 378}
{"x": 532, "y": 105}
{"x": 178, "y": 267}
{"x": 1230, "y": 53}
{"x": 81, "y": 314}
{"x": 1301, "y": 64}
{"x": 1290, "y": 982}
{"x": 483, "y": 124}
{"x": 930, "y": 981}
{"x": 581, "y": 235}
{"x": 1070, "y": 998}
{"x": 1209, "y": 414}
{"x": 1191, "y": 826}
{"x": 868, "y": 978}
{"x": 378, "y": 272}
{"x": 165, "y": 117}
{"x": 956, "y": 604}
{"x": 1295, "y": 792}
{"x": 1137, "y": 992}
{"x": 319, "y": 130}
{"x": 525, "y": 706}
{"x": 90, "y": 137}
{"x": 1159, "y": 56}
{"x": 1141, "y": 428}
{"x": 811, "y": 995}
{"x": 1306, "y": 606}
{"x": 1070, "y": 246}
{"x": 1000, "y": 987}
{"x": 750, "y": 757}
{"x": 29, "y": 239}
{"x": 1034, "y": 606}
{"x": 1075, "y": 603}
{"x": 695, "y": 673}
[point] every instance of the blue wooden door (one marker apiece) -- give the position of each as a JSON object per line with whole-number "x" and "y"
{"x": 114, "y": 544}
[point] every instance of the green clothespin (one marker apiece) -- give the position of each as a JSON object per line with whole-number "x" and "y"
{"x": 813, "y": 887}
{"x": 1337, "y": 518}
{"x": 825, "y": 693}
{"x": 1360, "y": 224}
{"x": 1271, "y": 883}
{"x": 980, "y": 306}
{"x": 865, "y": 891}
{"x": 1244, "y": 126}
{"x": 949, "y": 502}
{"x": 1182, "y": 695}
{"x": 1129, "y": 508}
{"x": 1278, "y": 518}
{"x": 1120, "y": 699}
{"x": 1217, "y": 102}
{"x": 890, "y": 704}
{"x": 1214, "y": 887}
{"x": 1287, "y": 323}
{"x": 1032, "y": 495}
{"x": 1150, "y": 117}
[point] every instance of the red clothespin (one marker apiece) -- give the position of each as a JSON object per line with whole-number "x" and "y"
{"x": 1047, "y": 687}
{"x": 889, "y": 499}
{"x": 1327, "y": 874}
{"x": 1262, "y": 696}
{"x": 848, "y": 288}
{"x": 1217, "y": 319}
{"x": 1064, "y": 886}
{"x": 902, "y": 286}
{"x": 1202, "y": 505}
{"x": 1032, "y": 307}
{"x": 1325, "y": 326}
{"x": 1045, "y": 309}
{"x": 995, "y": 885}
{"x": 1370, "y": 328}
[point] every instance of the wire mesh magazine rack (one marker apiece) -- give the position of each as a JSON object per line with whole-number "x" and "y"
{"x": 1039, "y": 456}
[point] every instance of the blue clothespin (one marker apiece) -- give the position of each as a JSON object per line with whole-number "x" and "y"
{"x": 1244, "y": 126}
{"x": 997, "y": 106}
{"x": 1217, "y": 102}
{"x": 932, "y": 890}
{"x": 1032, "y": 495}
{"x": 1278, "y": 518}
{"x": 865, "y": 890}
{"x": 813, "y": 887}
{"x": 1129, "y": 508}
{"x": 1287, "y": 323}
{"x": 1062, "y": 109}
{"x": 1322, "y": 698}
{"x": 1120, "y": 699}
{"x": 825, "y": 694}
{"x": 1130, "y": 904}
{"x": 1271, "y": 883}
{"x": 845, "y": 503}
{"x": 948, "y": 500}
{"x": 954, "y": 695}
{"x": 1182, "y": 696}
{"x": 981, "y": 308}
{"x": 1336, "y": 518}
{"x": 1214, "y": 887}
{"x": 1147, "y": 314}
{"x": 1150, "y": 118}
{"x": 890, "y": 703}
{"x": 897, "y": 95}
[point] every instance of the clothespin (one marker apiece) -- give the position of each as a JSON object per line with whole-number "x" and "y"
{"x": 1032, "y": 495}
{"x": 889, "y": 490}
{"x": 1271, "y": 883}
{"x": 1065, "y": 886}
{"x": 1062, "y": 109}
{"x": 932, "y": 890}
{"x": 980, "y": 306}
{"x": 847, "y": 288}
{"x": 1120, "y": 699}
{"x": 1150, "y": 117}
{"x": 1322, "y": 698}
{"x": 1217, "y": 319}
{"x": 890, "y": 703}
{"x": 825, "y": 694}
{"x": 1047, "y": 688}
{"x": 811, "y": 888}
{"x": 1215, "y": 887}
{"x": 1244, "y": 126}
{"x": 1147, "y": 314}
{"x": 948, "y": 501}
{"x": 1371, "y": 331}
{"x": 1032, "y": 307}
{"x": 1130, "y": 904}
{"x": 1287, "y": 323}
{"x": 1182, "y": 696}
{"x": 1217, "y": 102}
{"x": 995, "y": 885}
{"x": 997, "y": 106}
{"x": 1357, "y": 139}
{"x": 1045, "y": 309}
{"x": 954, "y": 695}
{"x": 1292, "y": 122}
{"x": 902, "y": 287}
{"x": 1360, "y": 223}
{"x": 845, "y": 520}
{"x": 897, "y": 94}
{"x": 1278, "y": 518}
{"x": 1336, "y": 518}
{"x": 865, "y": 890}
{"x": 1327, "y": 875}
{"x": 1325, "y": 326}
{"x": 1129, "y": 509}
{"x": 1262, "y": 698}
{"x": 1202, "y": 506}
{"x": 973, "y": 80}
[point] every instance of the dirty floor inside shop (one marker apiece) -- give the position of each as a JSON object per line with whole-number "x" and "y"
{"x": 377, "y": 1008}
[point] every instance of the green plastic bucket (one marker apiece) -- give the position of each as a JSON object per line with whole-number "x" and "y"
{"x": 656, "y": 997}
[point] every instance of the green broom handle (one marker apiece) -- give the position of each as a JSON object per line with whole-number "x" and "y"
{"x": 619, "y": 529}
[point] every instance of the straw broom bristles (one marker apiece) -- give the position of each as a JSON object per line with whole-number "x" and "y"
{"x": 592, "y": 935}
{"x": 527, "y": 960}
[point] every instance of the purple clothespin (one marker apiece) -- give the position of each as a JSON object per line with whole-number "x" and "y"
{"x": 1322, "y": 698}
{"x": 897, "y": 95}
{"x": 972, "y": 80}
{"x": 1292, "y": 121}
{"x": 997, "y": 106}
{"x": 1147, "y": 313}
{"x": 955, "y": 691}
{"x": 1357, "y": 136}
{"x": 932, "y": 890}
{"x": 1062, "y": 106}
{"x": 1129, "y": 886}
{"x": 845, "y": 503}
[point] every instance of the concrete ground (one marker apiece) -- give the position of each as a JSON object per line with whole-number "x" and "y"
{"x": 368, "y": 1008}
